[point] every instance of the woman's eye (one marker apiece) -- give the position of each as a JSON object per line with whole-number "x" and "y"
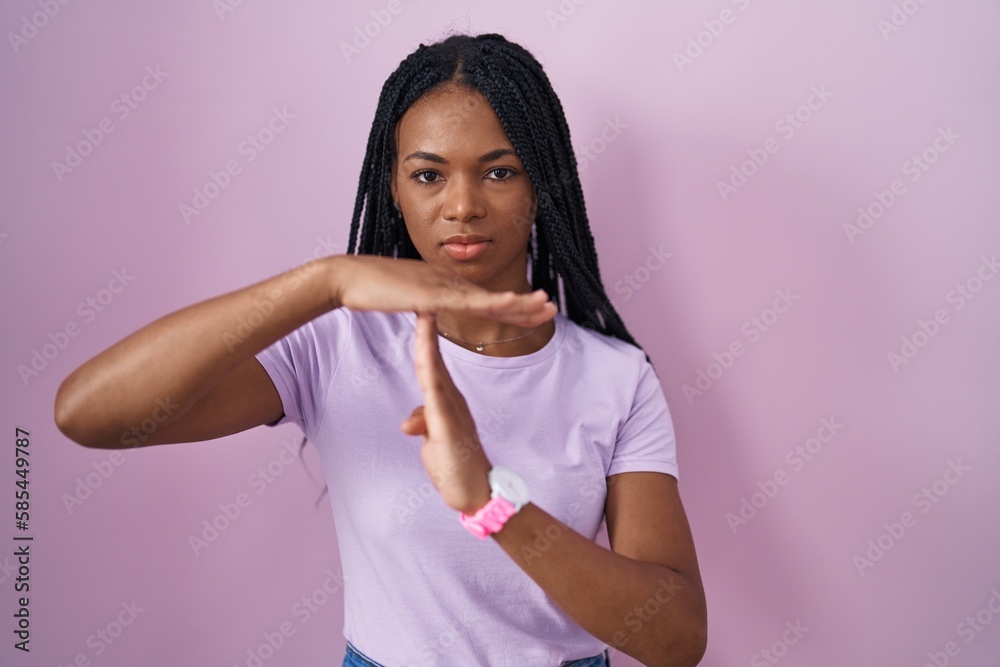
{"x": 418, "y": 175}
{"x": 509, "y": 172}
{"x": 430, "y": 177}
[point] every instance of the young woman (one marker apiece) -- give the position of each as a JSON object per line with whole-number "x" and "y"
{"x": 535, "y": 425}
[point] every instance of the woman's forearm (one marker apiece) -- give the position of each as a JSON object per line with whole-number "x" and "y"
{"x": 645, "y": 610}
{"x": 182, "y": 355}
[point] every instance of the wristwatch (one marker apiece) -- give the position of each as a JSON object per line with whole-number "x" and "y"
{"x": 508, "y": 494}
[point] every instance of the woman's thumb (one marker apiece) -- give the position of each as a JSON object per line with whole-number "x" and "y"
{"x": 414, "y": 424}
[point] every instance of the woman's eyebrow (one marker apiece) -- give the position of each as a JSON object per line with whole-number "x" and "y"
{"x": 433, "y": 157}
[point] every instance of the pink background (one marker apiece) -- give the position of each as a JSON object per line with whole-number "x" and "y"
{"x": 680, "y": 130}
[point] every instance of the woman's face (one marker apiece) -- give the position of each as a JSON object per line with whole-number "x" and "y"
{"x": 456, "y": 173}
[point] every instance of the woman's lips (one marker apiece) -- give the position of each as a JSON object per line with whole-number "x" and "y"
{"x": 464, "y": 251}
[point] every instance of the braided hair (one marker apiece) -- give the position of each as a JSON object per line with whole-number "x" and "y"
{"x": 561, "y": 245}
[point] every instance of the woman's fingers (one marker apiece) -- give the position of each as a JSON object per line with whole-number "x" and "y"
{"x": 522, "y": 309}
{"x": 415, "y": 424}
{"x": 526, "y": 309}
{"x": 389, "y": 285}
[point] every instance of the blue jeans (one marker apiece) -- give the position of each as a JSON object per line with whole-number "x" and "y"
{"x": 355, "y": 658}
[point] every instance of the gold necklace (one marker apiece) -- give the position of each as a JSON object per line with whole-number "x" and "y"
{"x": 480, "y": 345}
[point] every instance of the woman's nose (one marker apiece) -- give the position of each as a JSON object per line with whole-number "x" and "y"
{"x": 463, "y": 201}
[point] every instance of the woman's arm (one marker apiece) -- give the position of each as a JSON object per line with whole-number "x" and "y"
{"x": 142, "y": 390}
{"x": 645, "y": 596}
{"x": 192, "y": 375}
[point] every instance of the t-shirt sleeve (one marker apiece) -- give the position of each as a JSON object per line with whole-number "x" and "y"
{"x": 302, "y": 365}
{"x": 646, "y": 438}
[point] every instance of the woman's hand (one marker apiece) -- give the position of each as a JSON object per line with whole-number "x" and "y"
{"x": 451, "y": 452}
{"x": 371, "y": 282}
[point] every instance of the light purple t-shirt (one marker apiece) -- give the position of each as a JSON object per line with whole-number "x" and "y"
{"x": 419, "y": 589}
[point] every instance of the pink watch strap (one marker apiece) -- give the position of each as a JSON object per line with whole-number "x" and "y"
{"x": 490, "y": 518}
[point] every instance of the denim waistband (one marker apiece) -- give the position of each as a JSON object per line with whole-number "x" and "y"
{"x": 355, "y": 658}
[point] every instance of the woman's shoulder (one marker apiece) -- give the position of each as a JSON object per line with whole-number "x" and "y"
{"x": 359, "y": 318}
{"x": 377, "y": 325}
{"x": 599, "y": 344}
{"x": 602, "y": 360}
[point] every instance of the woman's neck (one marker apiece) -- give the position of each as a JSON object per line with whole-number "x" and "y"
{"x": 474, "y": 330}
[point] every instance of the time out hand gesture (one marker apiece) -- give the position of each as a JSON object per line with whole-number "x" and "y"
{"x": 369, "y": 282}
{"x": 451, "y": 452}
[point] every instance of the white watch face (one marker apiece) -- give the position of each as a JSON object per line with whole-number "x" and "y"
{"x": 509, "y": 484}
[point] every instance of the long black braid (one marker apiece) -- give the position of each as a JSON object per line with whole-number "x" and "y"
{"x": 561, "y": 246}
